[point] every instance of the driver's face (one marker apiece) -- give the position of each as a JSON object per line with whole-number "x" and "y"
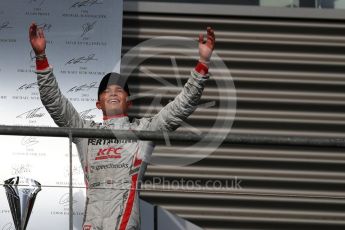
{"x": 113, "y": 101}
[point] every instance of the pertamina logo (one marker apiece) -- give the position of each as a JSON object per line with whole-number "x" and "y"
{"x": 107, "y": 153}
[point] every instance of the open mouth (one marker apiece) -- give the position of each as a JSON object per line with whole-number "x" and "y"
{"x": 114, "y": 101}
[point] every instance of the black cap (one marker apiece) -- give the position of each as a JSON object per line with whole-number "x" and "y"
{"x": 112, "y": 79}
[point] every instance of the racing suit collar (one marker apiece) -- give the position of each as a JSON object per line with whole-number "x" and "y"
{"x": 117, "y": 121}
{"x": 114, "y": 116}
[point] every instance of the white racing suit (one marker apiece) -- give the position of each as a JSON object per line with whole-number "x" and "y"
{"x": 113, "y": 168}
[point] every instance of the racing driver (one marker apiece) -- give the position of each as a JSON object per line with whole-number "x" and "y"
{"x": 113, "y": 167}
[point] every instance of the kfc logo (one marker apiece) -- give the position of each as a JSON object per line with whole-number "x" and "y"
{"x": 107, "y": 153}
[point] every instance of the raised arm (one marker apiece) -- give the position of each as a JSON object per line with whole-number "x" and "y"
{"x": 177, "y": 111}
{"x": 59, "y": 108}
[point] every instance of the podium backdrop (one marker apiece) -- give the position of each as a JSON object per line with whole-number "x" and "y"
{"x": 83, "y": 43}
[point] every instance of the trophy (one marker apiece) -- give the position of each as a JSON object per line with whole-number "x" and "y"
{"x": 21, "y": 194}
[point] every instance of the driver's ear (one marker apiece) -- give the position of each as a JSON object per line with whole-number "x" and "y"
{"x": 129, "y": 104}
{"x": 98, "y": 105}
{"x": 128, "y": 101}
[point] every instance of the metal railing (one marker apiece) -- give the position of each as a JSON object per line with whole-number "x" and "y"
{"x": 158, "y": 136}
